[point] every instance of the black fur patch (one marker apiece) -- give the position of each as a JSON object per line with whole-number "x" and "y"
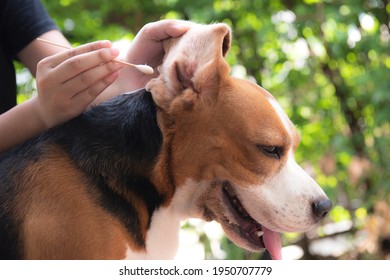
{"x": 11, "y": 247}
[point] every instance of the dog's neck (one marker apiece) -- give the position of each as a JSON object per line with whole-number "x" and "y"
{"x": 163, "y": 235}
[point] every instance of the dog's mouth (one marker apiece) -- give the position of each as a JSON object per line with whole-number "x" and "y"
{"x": 243, "y": 229}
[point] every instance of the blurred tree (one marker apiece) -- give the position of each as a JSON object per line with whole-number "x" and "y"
{"x": 326, "y": 61}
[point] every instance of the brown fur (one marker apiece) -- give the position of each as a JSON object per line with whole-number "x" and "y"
{"x": 64, "y": 211}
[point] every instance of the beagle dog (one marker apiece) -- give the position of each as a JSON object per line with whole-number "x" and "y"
{"x": 116, "y": 182}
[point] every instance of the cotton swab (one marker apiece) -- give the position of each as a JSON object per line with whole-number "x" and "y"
{"x": 142, "y": 68}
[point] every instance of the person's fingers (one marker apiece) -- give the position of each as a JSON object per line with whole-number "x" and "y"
{"x": 147, "y": 46}
{"x": 81, "y": 63}
{"x": 90, "y": 77}
{"x": 177, "y": 29}
{"x": 164, "y": 29}
{"x": 85, "y": 97}
{"x": 55, "y": 60}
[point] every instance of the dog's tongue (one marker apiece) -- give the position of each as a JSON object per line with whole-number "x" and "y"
{"x": 273, "y": 243}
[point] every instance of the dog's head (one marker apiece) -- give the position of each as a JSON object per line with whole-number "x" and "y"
{"x": 230, "y": 146}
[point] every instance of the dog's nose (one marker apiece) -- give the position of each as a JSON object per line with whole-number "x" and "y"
{"x": 321, "y": 208}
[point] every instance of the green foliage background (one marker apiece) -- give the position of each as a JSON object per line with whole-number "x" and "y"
{"x": 328, "y": 64}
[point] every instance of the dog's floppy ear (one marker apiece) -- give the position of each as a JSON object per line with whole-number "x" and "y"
{"x": 193, "y": 68}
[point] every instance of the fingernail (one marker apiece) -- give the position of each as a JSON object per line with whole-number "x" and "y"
{"x": 182, "y": 26}
{"x": 106, "y": 43}
{"x": 179, "y": 29}
{"x": 114, "y": 52}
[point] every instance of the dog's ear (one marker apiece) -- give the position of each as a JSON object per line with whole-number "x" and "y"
{"x": 193, "y": 68}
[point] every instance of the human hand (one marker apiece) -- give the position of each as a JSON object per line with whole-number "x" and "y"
{"x": 146, "y": 48}
{"x": 69, "y": 81}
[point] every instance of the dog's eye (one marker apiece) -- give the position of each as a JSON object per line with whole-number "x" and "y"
{"x": 271, "y": 151}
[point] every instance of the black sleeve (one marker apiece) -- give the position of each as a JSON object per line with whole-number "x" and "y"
{"x": 21, "y": 22}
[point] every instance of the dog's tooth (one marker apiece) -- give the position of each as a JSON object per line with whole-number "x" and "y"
{"x": 259, "y": 233}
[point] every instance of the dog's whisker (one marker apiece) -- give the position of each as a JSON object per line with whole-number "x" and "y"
{"x": 256, "y": 229}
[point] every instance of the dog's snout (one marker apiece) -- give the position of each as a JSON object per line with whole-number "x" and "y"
{"x": 321, "y": 208}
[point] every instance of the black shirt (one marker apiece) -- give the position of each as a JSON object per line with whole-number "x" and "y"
{"x": 21, "y": 21}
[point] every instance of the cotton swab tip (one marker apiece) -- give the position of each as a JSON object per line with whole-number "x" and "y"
{"x": 146, "y": 69}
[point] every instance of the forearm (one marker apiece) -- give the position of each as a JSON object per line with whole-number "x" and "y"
{"x": 36, "y": 51}
{"x": 20, "y": 124}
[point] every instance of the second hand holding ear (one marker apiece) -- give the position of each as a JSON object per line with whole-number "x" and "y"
{"x": 146, "y": 48}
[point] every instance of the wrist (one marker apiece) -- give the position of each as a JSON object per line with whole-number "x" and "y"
{"x": 37, "y": 116}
